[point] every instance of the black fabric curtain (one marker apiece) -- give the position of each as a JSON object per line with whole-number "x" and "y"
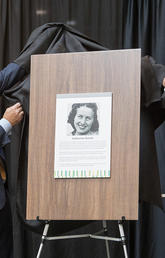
{"x": 144, "y": 27}
{"x": 100, "y": 20}
{"x": 19, "y": 17}
{"x": 115, "y": 24}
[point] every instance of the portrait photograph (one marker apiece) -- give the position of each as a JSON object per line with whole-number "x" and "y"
{"x": 83, "y": 119}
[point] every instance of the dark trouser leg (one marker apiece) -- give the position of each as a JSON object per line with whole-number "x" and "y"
{"x": 6, "y": 238}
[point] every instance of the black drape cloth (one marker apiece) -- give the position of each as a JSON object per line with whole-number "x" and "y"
{"x": 152, "y": 115}
{"x": 49, "y": 38}
{"x": 144, "y": 27}
{"x": 59, "y": 38}
{"x": 116, "y": 24}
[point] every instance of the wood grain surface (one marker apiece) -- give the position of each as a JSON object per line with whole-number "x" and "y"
{"x": 84, "y": 199}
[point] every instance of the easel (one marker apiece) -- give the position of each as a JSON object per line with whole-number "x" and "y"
{"x": 96, "y": 235}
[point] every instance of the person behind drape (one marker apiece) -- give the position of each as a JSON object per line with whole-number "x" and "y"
{"x": 152, "y": 115}
{"x": 13, "y": 115}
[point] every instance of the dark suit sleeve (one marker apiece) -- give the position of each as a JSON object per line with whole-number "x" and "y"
{"x": 4, "y": 139}
{"x": 10, "y": 75}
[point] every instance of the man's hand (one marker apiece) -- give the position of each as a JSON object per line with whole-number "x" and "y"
{"x": 163, "y": 82}
{"x": 14, "y": 114}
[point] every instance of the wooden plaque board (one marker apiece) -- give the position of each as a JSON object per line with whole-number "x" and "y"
{"x": 84, "y": 199}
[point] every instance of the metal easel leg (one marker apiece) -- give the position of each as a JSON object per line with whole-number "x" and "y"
{"x": 45, "y": 232}
{"x": 106, "y": 241}
{"x": 123, "y": 239}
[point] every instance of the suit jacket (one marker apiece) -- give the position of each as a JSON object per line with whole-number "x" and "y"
{"x": 8, "y": 77}
{"x": 2, "y": 189}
